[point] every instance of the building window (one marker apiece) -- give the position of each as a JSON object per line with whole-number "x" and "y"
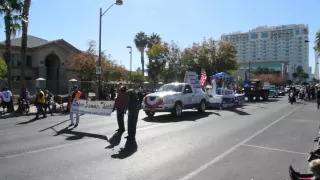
{"x": 254, "y": 36}
{"x": 29, "y": 61}
{"x": 297, "y": 32}
{"x": 15, "y": 60}
{"x": 264, "y": 35}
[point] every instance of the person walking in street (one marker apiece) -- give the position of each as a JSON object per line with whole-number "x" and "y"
{"x": 76, "y": 94}
{"x": 318, "y": 97}
{"x": 7, "y": 100}
{"x": 121, "y": 104}
{"x": 40, "y": 102}
{"x": 49, "y": 100}
{"x": 133, "y": 113}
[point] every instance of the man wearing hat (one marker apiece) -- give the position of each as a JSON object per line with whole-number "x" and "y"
{"x": 76, "y": 94}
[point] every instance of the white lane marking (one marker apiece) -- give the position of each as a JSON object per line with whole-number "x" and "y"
{"x": 275, "y": 149}
{"x": 70, "y": 144}
{"x": 233, "y": 148}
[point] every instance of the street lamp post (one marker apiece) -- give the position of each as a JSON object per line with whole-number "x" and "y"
{"x": 130, "y": 64}
{"x": 99, "y": 68}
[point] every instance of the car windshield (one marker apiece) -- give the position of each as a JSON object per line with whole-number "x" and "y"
{"x": 171, "y": 87}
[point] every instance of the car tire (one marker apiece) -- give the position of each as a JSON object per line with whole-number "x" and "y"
{"x": 150, "y": 114}
{"x": 202, "y": 107}
{"x": 177, "y": 109}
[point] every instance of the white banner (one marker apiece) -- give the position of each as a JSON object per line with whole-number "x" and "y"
{"x": 102, "y": 108}
{"x": 191, "y": 77}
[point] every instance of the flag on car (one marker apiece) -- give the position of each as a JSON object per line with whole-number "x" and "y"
{"x": 203, "y": 77}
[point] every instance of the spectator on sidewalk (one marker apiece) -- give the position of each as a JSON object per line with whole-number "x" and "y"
{"x": 40, "y": 102}
{"x": 7, "y": 100}
{"x": 315, "y": 169}
{"x": 121, "y": 104}
{"x": 318, "y": 97}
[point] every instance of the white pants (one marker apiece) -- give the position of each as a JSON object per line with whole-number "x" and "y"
{"x": 77, "y": 117}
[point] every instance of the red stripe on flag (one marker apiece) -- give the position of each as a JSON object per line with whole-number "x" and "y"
{"x": 203, "y": 77}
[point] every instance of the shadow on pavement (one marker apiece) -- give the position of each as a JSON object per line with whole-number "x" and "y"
{"x": 186, "y": 116}
{"x": 77, "y": 134}
{"x": 53, "y": 126}
{"x": 239, "y": 112}
{"x": 115, "y": 140}
{"x": 129, "y": 149}
{"x": 30, "y": 121}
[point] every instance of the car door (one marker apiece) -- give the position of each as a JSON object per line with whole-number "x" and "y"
{"x": 187, "y": 95}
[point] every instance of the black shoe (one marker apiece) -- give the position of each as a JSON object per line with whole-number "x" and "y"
{"x": 75, "y": 125}
{"x": 71, "y": 124}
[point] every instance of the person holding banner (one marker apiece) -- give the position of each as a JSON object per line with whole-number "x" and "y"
{"x": 76, "y": 94}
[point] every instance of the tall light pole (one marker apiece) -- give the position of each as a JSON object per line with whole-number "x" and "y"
{"x": 130, "y": 63}
{"x": 99, "y": 68}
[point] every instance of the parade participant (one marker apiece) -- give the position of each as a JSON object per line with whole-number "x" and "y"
{"x": 7, "y": 100}
{"x": 318, "y": 97}
{"x": 76, "y": 94}
{"x": 133, "y": 113}
{"x": 40, "y": 102}
{"x": 121, "y": 104}
{"x": 49, "y": 100}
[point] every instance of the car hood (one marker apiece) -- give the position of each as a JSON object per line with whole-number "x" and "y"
{"x": 163, "y": 93}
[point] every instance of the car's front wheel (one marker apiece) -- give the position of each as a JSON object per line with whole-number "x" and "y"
{"x": 150, "y": 114}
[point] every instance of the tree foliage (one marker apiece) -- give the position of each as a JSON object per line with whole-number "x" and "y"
{"x": 318, "y": 41}
{"x": 299, "y": 75}
{"x": 157, "y": 55}
{"x": 85, "y": 63}
{"x": 137, "y": 77}
{"x": 3, "y": 69}
{"x": 211, "y": 55}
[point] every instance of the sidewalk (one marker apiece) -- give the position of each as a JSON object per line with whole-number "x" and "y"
{"x": 32, "y": 111}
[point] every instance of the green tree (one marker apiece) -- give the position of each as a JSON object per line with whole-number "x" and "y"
{"x": 211, "y": 55}
{"x": 157, "y": 55}
{"x": 318, "y": 41}
{"x": 137, "y": 78}
{"x": 174, "y": 70}
{"x": 24, "y": 39}
{"x": 10, "y": 10}
{"x": 3, "y": 69}
{"x": 153, "y": 39}
{"x": 141, "y": 41}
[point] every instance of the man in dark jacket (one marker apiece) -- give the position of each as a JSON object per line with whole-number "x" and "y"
{"x": 121, "y": 104}
{"x": 133, "y": 113}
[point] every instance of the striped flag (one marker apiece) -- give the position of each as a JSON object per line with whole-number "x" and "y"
{"x": 203, "y": 77}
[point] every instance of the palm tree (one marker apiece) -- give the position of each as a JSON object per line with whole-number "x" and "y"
{"x": 10, "y": 10}
{"x": 153, "y": 39}
{"x": 24, "y": 39}
{"x": 318, "y": 41}
{"x": 141, "y": 41}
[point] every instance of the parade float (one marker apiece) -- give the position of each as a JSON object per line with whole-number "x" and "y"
{"x": 222, "y": 96}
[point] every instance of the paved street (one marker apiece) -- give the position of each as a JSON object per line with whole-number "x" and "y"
{"x": 258, "y": 141}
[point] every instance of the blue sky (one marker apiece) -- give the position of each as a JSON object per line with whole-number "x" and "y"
{"x": 184, "y": 21}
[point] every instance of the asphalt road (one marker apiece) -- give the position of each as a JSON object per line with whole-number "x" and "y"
{"x": 258, "y": 141}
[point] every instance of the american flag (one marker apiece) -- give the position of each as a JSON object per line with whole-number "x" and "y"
{"x": 203, "y": 77}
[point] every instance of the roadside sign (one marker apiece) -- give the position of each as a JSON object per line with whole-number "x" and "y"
{"x": 98, "y": 70}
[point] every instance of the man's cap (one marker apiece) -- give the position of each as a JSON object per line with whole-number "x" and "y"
{"x": 75, "y": 86}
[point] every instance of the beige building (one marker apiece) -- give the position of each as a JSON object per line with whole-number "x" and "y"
{"x": 45, "y": 59}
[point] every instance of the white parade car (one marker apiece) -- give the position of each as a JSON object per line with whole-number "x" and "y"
{"x": 175, "y": 97}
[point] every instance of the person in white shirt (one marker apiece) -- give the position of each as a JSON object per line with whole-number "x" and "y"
{"x": 6, "y": 99}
